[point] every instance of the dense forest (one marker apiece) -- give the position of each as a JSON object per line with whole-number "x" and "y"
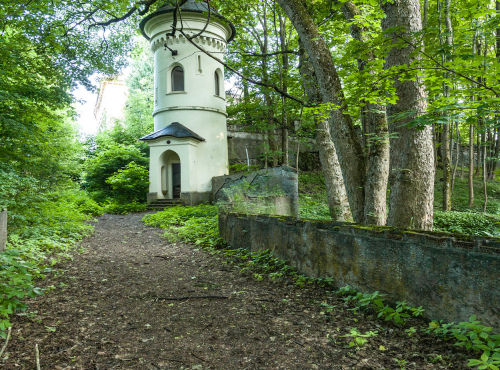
{"x": 397, "y": 96}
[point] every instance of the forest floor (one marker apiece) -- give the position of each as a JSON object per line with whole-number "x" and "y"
{"x": 130, "y": 300}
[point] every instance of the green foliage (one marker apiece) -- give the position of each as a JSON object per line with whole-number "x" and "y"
{"x": 460, "y": 196}
{"x": 104, "y": 164}
{"x": 358, "y": 339}
{"x": 374, "y": 302}
{"x": 130, "y": 184}
{"x": 473, "y": 336}
{"x": 176, "y": 216}
{"x": 240, "y": 167}
{"x": 250, "y": 198}
{"x": 466, "y": 223}
{"x": 47, "y": 228}
{"x": 16, "y": 282}
{"x": 313, "y": 209}
{"x": 312, "y": 196}
{"x": 120, "y": 208}
{"x": 138, "y": 121}
{"x": 85, "y": 204}
{"x": 198, "y": 225}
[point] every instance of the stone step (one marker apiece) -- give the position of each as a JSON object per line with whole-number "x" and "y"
{"x": 164, "y": 203}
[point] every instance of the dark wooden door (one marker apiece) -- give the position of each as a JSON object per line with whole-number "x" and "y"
{"x": 176, "y": 180}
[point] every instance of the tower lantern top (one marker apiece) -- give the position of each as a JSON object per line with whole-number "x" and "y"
{"x": 189, "y": 6}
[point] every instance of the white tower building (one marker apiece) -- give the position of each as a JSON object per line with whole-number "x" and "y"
{"x": 189, "y": 144}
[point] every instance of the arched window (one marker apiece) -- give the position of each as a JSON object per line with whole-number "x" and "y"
{"x": 178, "y": 79}
{"x": 217, "y": 84}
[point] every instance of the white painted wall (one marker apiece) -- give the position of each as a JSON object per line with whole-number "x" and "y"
{"x": 197, "y": 107}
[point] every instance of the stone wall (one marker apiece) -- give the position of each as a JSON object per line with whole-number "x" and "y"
{"x": 285, "y": 178}
{"x": 452, "y": 279}
{"x": 3, "y": 229}
{"x": 239, "y": 141}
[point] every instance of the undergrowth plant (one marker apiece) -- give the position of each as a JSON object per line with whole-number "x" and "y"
{"x": 252, "y": 198}
{"x": 358, "y": 339}
{"x": 41, "y": 231}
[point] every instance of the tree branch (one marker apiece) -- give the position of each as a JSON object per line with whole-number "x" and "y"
{"x": 147, "y": 4}
{"x": 255, "y": 82}
{"x": 442, "y": 66}
{"x": 268, "y": 54}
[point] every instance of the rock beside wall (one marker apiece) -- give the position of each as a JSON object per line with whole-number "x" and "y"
{"x": 283, "y": 178}
{"x": 451, "y": 279}
{"x": 3, "y": 229}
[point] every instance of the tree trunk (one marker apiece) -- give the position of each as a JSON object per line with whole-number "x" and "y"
{"x": 457, "y": 159}
{"x": 284, "y": 74}
{"x": 479, "y": 152}
{"x": 264, "y": 48}
{"x": 445, "y": 144}
{"x": 338, "y": 203}
{"x": 349, "y": 150}
{"x": 412, "y": 159}
{"x": 471, "y": 166}
{"x": 484, "y": 181}
{"x": 376, "y": 136}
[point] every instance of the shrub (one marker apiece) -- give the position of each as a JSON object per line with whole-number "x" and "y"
{"x": 130, "y": 184}
{"x": 16, "y": 282}
{"x": 105, "y": 164}
{"x": 84, "y": 203}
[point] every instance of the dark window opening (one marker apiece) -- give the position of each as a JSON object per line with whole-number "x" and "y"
{"x": 178, "y": 79}
{"x": 217, "y": 84}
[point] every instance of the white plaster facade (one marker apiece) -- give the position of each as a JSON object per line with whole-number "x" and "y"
{"x": 110, "y": 104}
{"x": 197, "y": 107}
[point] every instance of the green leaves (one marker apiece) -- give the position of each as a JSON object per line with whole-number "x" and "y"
{"x": 359, "y": 339}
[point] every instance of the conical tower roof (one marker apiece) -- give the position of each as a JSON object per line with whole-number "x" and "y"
{"x": 192, "y": 6}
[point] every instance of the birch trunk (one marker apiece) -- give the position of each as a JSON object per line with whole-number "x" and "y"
{"x": 412, "y": 159}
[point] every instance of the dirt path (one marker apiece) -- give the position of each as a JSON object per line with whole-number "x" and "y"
{"x": 121, "y": 305}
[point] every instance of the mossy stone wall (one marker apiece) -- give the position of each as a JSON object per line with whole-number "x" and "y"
{"x": 451, "y": 278}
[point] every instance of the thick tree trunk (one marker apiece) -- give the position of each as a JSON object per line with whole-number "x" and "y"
{"x": 412, "y": 159}
{"x": 376, "y": 136}
{"x": 338, "y": 203}
{"x": 343, "y": 133}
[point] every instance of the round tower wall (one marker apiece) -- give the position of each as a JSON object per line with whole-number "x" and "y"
{"x": 197, "y": 107}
